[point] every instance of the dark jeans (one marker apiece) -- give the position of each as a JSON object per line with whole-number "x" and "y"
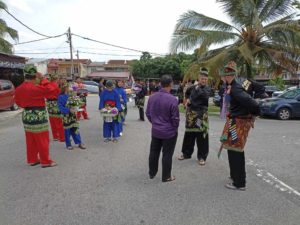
{"x": 237, "y": 168}
{"x": 167, "y": 146}
{"x": 142, "y": 114}
{"x": 189, "y": 142}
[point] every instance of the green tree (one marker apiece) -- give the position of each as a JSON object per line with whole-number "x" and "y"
{"x": 6, "y": 31}
{"x": 260, "y": 33}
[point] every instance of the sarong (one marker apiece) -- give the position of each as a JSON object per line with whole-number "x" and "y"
{"x": 140, "y": 102}
{"x": 53, "y": 109}
{"x": 35, "y": 119}
{"x": 197, "y": 121}
{"x": 235, "y": 132}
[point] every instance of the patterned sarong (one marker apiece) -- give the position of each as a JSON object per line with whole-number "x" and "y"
{"x": 70, "y": 121}
{"x": 235, "y": 132}
{"x": 35, "y": 119}
{"x": 53, "y": 109}
{"x": 140, "y": 102}
{"x": 197, "y": 121}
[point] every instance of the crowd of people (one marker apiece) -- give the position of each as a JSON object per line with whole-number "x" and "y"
{"x": 65, "y": 104}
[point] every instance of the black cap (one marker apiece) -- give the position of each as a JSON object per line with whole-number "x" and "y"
{"x": 109, "y": 84}
{"x": 204, "y": 72}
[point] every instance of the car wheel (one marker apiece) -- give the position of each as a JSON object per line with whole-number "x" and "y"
{"x": 284, "y": 114}
{"x": 14, "y": 107}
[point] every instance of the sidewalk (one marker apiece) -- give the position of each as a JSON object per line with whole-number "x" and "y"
{"x": 8, "y": 114}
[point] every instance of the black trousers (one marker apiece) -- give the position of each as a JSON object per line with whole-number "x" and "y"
{"x": 142, "y": 114}
{"x": 237, "y": 168}
{"x": 167, "y": 146}
{"x": 189, "y": 143}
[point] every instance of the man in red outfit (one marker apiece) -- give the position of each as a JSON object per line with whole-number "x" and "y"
{"x": 55, "y": 117}
{"x": 31, "y": 95}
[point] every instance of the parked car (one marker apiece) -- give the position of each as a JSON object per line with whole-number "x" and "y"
{"x": 7, "y": 95}
{"x": 270, "y": 89}
{"x": 90, "y": 82}
{"x": 277, "y": 93}
{"x": 284, "y": 107}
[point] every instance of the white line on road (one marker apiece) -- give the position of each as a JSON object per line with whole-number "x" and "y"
{"x": 272, "y": 180}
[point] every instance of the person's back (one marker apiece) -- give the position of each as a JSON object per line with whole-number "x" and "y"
{"x": 163, "y": 111}
{"x": 163, "y": 114}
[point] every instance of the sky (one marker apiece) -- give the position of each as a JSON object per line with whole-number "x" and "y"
{"x": 137, "y": 24}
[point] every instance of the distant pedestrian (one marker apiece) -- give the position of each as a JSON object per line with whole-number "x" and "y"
{"x": 140, "y": 100}
{"x": 163, "y": 113}
{"x": 242, "y": 111}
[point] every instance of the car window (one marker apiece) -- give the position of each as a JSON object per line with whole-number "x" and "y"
{"x": 291, "y": 94}
{"x": 6, "y": 85}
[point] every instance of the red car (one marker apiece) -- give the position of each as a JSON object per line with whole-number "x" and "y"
{"x": 7, "y": 95}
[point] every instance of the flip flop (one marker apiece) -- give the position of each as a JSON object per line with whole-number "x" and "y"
{"x": 50, "y": 165}
{"x": 34, "y": 164}
{"x": 182, "y": 157}
{"x": 170, "y": 179}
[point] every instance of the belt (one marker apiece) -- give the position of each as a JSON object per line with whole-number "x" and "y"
{"x": 35, "y": 108}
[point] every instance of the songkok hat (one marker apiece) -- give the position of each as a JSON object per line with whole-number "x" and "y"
{"x": 204, "y": 72}
{"x": 30, "y": 71}
{"x": 109, "y": 84}
{"x": 229, "y": 69}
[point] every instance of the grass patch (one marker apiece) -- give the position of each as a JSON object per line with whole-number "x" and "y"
{"x": 212, "y": 109}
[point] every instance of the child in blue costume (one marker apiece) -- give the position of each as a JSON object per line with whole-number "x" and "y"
{"x": 71, "y": 125}
{"x": 110, "y": 98}
{"x": 123, "y": 99}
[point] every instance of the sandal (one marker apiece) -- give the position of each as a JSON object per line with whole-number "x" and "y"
{"x": 81, "y": 146}
{"x": 34, "y": 164}
{"x": 50, "y": 165}
{"x": 70, "y": 148}
{"x": 170, "y": 179}
{"x": 182, "y": 157}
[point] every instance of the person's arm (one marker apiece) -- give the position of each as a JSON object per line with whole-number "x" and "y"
{"x": 62, "y": 101}
{"x": 124, "y": 96}
{"x": 148, "y": 110}
{"x": 175, "y": 114}
{"x": 101, "y": 103}
{"x": 245, "y": 100}
{"x": 118, "y": 101}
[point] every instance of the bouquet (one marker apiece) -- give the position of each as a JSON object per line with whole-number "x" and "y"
{"x": 74, "y": 102}
{"x": 109, "y": 113}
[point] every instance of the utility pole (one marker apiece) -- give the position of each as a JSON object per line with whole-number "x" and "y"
{"x": 77, "y": 54}
{"x": 69, "y": 35}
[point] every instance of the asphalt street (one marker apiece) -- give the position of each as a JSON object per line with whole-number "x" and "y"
{"x": 108, "y": 184}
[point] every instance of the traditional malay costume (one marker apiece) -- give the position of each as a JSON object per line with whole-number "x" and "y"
{"x": 123, "y": 101}
{"x": 31, "y": 95}
{"x": 55, "y": 116}
{"x": 242, "y": 111}
{"x": 110, "y": 99}
{"x": 66, "y": 104}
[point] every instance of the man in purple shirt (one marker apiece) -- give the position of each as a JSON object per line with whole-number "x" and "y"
{"x": 163, "y": 113}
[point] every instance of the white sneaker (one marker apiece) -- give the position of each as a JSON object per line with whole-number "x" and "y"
{"x": 121, "y": 134}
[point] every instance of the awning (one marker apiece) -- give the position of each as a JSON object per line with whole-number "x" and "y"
{"x": 110, "y": 75}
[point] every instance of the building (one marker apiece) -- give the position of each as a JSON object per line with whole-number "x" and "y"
{"x": 63, "y": 67}
{"x": 113, "y": 69}
{"x": 11, "y": 68}
{"x": 95, "y": 67}
{"x": 40, "y": 64}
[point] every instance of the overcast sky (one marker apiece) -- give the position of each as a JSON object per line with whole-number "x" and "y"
{"x": 138, "y": 24}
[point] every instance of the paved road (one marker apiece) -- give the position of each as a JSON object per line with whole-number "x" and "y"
{"x": 108, "y": 184}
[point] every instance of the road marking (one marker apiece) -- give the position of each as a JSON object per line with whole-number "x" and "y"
{"x": 272, "y": 180}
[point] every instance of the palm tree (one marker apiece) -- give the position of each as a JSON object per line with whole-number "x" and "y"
{"x": 5, "y": 31}
{"x": 261, "y": 32}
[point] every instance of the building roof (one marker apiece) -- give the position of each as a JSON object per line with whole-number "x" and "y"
{"x": 95, "y": 64}
{"x": 110, "y": 75}
{"x": 36, "y": 60}
{"x": 118, "y": 62}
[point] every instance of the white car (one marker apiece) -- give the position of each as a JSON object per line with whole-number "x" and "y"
{"x": 277, "y": 93}
{"x": 91, "y": 86}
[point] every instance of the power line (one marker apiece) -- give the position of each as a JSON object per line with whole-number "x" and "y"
{"x": 41, "y": 39}
{"x": 116, "y": 46}
{"x": 92, "y": 53}
{"x": 47, "y": 36}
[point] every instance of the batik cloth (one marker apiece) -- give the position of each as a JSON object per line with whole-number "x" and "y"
{"x": 35, "y": 119}
{"x": 235, "y": 132}
{"x": 197, "y": 121}
{"x": 53, "y": 109}
{"x": 140, "y": 102}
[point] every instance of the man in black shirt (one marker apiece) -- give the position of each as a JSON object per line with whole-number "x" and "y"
{"x": 242, "y": 111}
{"x": 197, "y": 119}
